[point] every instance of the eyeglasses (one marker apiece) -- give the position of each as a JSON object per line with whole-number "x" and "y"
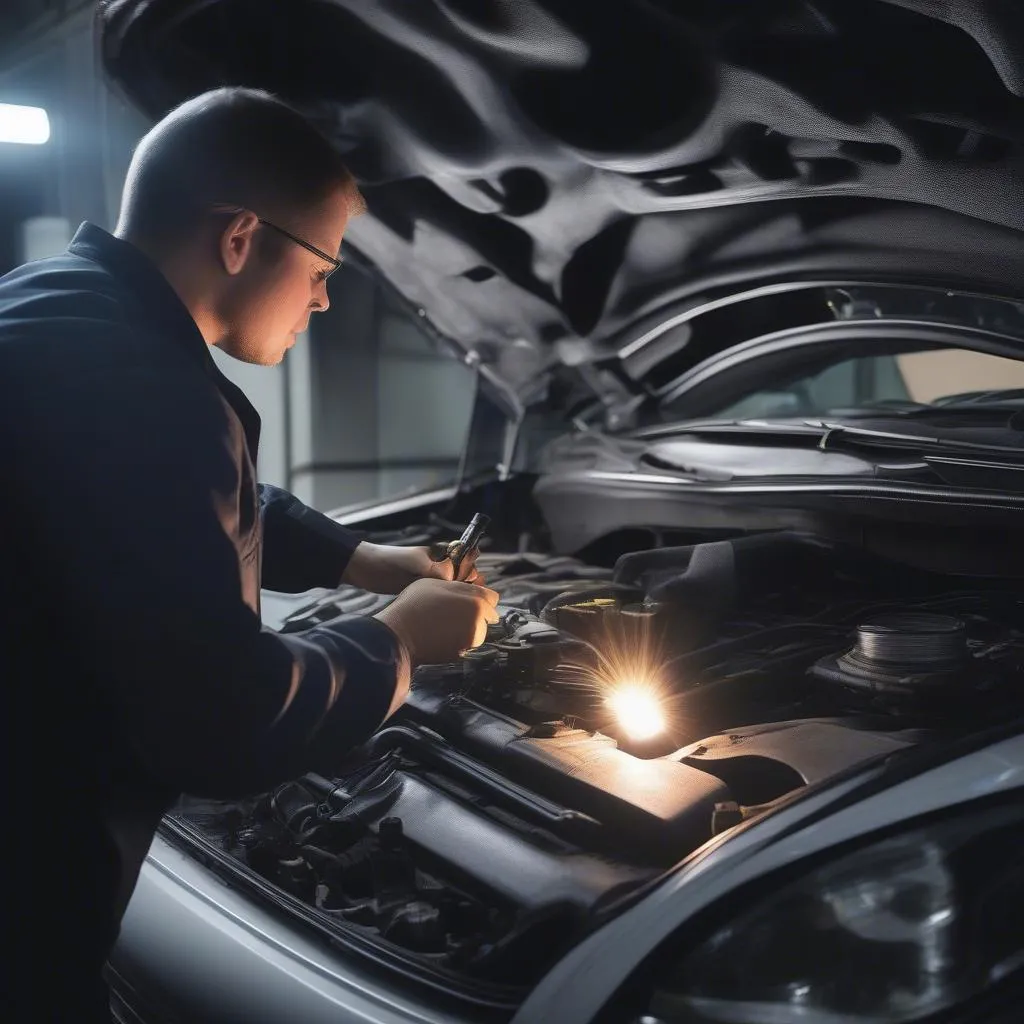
{"x": 334, "y": 261}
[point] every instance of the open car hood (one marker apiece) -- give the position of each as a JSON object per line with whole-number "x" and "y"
{"x": 545, "y": 174}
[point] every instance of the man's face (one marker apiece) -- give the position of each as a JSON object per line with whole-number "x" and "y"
{"x": 267, "y": 302}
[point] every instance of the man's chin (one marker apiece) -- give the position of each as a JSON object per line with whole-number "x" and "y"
{"x": 258, "y": 356}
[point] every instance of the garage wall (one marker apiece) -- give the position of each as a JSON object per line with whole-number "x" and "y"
{"x": 390, "y": 410}
{"x": 429, "y": 401}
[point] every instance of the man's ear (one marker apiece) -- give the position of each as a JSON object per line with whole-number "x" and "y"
{"x": 237, "y": 240}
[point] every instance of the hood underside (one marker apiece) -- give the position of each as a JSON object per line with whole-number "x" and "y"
{"x": 544, "y": 171}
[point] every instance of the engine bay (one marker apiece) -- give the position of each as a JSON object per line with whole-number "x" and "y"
{"x": 614, "y": 721}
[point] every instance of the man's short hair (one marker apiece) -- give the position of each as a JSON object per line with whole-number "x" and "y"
{"x": 236, "y": 146}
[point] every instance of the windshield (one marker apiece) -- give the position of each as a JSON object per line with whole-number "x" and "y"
{"x": 867, "y": 383}
{"x": 837, "y": 377}
{"x": 681, "y": 344}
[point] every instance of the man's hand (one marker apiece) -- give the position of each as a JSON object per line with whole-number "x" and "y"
{"x": 384, "y": 569}
{"x": 437, "y": 620}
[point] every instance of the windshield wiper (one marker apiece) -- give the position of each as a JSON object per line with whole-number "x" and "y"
{"x": 844, "y": 436}
{"x": 1008, "y": 414}
{"x": 971, "y": 403}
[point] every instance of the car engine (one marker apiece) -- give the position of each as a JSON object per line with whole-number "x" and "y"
{"x": 614, "y": 721}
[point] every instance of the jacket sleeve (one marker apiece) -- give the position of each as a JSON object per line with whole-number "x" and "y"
{"x": 302, "y": 548}
{"x": 133, "y": 478}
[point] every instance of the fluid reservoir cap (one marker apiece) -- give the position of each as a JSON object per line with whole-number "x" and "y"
{"x": 912, "y": 640}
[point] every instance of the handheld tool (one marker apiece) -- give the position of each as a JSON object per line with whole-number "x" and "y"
{"x": 459, "y": 550}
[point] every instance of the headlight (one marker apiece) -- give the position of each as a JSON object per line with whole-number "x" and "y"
{"x": 894, "y": 932}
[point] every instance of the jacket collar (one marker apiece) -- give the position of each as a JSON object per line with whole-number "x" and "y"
{"x": 145, "y": 285}
{"x": 158, "y": 304}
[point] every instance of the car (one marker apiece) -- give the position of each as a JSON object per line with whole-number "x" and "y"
{"x": 742, "y": 288}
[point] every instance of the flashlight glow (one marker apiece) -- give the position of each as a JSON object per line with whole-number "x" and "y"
{"x": 637, "y": 710}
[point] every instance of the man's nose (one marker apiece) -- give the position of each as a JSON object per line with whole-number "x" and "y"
{"x": 321, "y": 300}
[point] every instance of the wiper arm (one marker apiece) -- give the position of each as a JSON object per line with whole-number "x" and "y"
{"x": 840, "y": 436}
{"x": 1006, "y": 413}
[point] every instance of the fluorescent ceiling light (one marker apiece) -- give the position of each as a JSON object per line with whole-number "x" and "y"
{"x": 27, "y": 125}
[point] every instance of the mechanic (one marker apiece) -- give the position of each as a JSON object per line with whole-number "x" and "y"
{"x": 137, "y": 539}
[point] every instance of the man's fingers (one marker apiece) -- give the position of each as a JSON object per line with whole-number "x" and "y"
{"x": 476, "y": 578}
{"x": 438, "y": 551}
{"x": 443, "y": 570}
{"x": 479, "y": 636}
{"x": 467, "y": 568}
{"x": 485, "y": 594}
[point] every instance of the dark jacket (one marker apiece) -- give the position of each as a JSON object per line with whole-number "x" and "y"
{"x": 136, "y": 540}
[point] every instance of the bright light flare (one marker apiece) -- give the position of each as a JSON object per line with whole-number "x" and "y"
{"x": 637, "y": 710}
{"x": 27, "y": 126}
{"x": 626, "y": 670}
